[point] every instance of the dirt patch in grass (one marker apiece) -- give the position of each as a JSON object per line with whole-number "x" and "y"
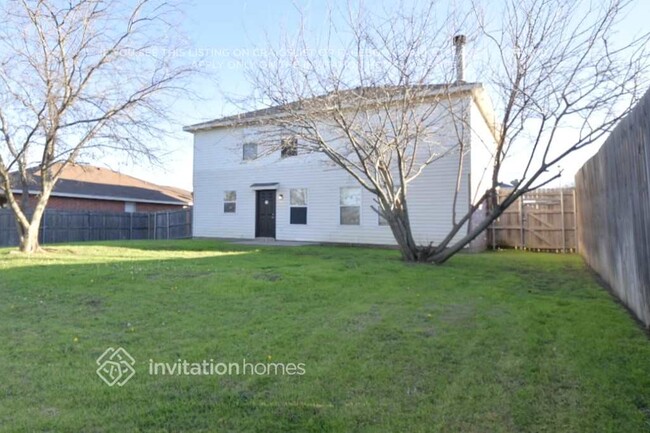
{"x": 94, "y": 302}
{"x": 267, "y": 276}
{"x": 364, "y": 320}
{"x": 458, "y": 315}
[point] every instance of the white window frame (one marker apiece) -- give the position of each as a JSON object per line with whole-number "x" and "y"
{"x": 227, "y": 201}
{"x": 289, "y": 143}
{"x": 342, "y": 205}
{"x": 244, "y": 151}
{"x": 306, "y": 205}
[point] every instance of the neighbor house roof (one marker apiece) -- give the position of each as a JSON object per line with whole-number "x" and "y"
{"x": 98, "y": 183}
{"x": 365, "y": 93}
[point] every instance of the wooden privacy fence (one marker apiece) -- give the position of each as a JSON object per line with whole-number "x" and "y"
{"x": 613, "y": 195}
{"x": 59, "y": 226}
{"x": 541, "y": 220}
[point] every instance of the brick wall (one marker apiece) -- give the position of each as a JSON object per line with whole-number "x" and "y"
{"x": 82, "y": 204}
{"x": 153, "y": 207}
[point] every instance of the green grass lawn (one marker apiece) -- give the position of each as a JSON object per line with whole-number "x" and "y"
{"x": 495, "y": 342}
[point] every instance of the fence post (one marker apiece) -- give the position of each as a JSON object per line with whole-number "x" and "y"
{"x": 155, "y": 224}
{"x": 522, "y": 235}
{"x": 492, "y": 229}
{"x": 131, "y": 226}
{"x": 190, "y": 233}
{"x": 575, "y": 220}
{"x": 43, "y": 225}
{"x": 562, "y": 216}
{"x": 168, "y": 224}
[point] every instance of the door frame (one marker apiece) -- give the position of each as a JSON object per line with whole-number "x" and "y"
{"x": 257, "y": 212}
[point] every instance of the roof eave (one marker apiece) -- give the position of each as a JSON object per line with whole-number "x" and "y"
{"x": 487, "y": 111}
{"x": 109, "y": 198}
{"x": 454, "y": 89}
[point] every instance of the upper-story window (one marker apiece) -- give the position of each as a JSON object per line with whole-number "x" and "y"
{"x": 289, "y": 147}
{"x": 249, "y": 151}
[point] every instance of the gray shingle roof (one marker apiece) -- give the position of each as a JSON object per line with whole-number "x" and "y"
{"x": 102, "y": 183}
{"x": 365, "y": 93}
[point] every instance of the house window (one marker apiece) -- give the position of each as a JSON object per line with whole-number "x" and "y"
{"x": 289, "y": 147}
{"x": 249, "y": 151}
{"x": 298, "y": 204}
{"x": 229, "y": 201}
{"x": 129, "y": 207}
{"x": 350, "y": 206}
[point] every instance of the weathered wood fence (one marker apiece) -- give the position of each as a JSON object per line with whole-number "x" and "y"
{"x": 541, "y": 220}
{"x": 58, "y": 226}
{"x": 613, "y": 196}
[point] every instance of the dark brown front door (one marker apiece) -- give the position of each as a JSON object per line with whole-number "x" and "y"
{"x": 265, "y": 218}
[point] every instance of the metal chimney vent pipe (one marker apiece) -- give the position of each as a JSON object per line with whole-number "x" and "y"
{"x": 459, "y": 43}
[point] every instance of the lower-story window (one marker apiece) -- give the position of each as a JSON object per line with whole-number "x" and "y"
{"x": 229, "y": 201}
{"x": 350, "y": 206}
{"x": 298, "y": 206}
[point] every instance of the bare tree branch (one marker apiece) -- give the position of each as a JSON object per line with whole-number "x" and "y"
{"x": 77, "y": 77}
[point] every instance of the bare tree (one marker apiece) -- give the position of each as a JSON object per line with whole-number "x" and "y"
{"x": 79, "y": 77}
{"x": 372, "y": 94}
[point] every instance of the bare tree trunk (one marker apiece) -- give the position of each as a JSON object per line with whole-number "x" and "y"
{"x": 29, "y": 240}
{"x": 28, "y": 230}
{"x": 403, "y": 237}
{"x": 447, "y": 253}
{"x": 401, "y": 228}
{"x": 495, "y": 210}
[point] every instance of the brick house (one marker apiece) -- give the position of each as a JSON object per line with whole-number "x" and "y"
{"x": 90, "y": 188}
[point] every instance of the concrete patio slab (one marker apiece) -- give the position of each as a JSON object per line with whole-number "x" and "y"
{"x": 271, "y": 242}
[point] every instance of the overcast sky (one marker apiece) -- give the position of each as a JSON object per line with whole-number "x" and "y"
{"x": 226, "y": 32}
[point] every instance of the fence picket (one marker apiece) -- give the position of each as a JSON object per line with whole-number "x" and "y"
{"x": 537, "y": 222}
{"x": 60, "y": 226}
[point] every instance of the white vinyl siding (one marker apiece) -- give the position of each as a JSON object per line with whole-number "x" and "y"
{"x": 218, "y": 166}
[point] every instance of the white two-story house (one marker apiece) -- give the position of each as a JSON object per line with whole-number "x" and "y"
{"x": 243, "y": 192}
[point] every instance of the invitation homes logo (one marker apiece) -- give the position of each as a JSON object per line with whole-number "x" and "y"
{"x": 116, "y": 367}
{"x": 210, "y": 367}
